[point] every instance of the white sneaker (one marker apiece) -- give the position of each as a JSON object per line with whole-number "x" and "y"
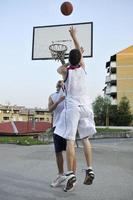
{"x": 58, "y": 180}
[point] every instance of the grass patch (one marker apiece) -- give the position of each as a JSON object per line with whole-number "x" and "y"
{"x": 111, "y": 130}
{"x": 20, "y": 140}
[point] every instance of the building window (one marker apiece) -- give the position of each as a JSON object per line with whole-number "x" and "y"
{"x": 6, "y": 111}
{"x": 37, "y": 119}
{"x": 47, "y": 119}
{"x": 5, "y": 118}
{"x": 39, "y": 113}
{"x": 16, "y": 111}
{"x": 41, "y": 119}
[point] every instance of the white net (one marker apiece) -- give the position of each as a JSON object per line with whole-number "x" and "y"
{"x": 58, "y": 52}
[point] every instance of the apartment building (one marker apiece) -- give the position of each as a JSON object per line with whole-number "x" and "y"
{"x": 119, "y": 79}
{"x": 20, "y": 113}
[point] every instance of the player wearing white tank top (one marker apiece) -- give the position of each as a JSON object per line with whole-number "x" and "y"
{"x": 58, "y": 98}
{"x": 56, "y": 105}
{"x": 77, "y": 114}
{"x": 76, "y": 86}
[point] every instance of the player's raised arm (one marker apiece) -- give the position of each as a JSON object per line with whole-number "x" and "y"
{"x": 63, "y": 70}
{"x": 73, "y": 34}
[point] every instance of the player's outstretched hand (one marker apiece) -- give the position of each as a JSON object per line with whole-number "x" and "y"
{"x": 72, "y": 31}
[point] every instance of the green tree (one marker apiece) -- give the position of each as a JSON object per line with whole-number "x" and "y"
{"x": 113, "y": 115}
{"x": 124, "y": 112}
{"x": 101, "y": 107}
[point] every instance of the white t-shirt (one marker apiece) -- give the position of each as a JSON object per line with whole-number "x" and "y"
{"x": 56, "y": 113}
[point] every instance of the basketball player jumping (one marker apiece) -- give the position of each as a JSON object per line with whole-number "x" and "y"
{"x": 77, "y": 114}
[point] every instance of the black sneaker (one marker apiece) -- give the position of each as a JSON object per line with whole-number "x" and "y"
{"x": 70, "y": 182}
{"x": 89, "y": 177}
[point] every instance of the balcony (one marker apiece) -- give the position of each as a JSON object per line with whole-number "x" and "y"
{"x": 113, "y": 102}
{"x": 113, "y": 77}
{"x": 113, "y": 70}
{"x": 113, "y": 64}
{"x": 113, "y": 58}
{"x": 111, "y": 90}
{"x": 107, "y": 80}
{"x": 111, "y": 67}
{"x": 110, "y": 78}
{"x": 107, "y": 64}
{"x": 107, "y": 92}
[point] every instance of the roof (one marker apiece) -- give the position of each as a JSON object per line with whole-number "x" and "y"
{"x": 127, "y": 51}
{"x": 6, "y": 127}
{"x": 22, "y": 128}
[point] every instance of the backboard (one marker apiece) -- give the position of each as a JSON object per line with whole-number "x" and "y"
{"x": 44, "y": 36}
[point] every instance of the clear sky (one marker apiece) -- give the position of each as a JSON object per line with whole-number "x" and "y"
{"x": 29, "y": 83}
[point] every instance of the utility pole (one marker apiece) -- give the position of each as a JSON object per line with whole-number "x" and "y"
{"x": 107, "y": 116}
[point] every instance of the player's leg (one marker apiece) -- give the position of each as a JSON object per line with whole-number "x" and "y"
{"x": 60, "y": 146}
{"x": 60, "y": 162}
{"x": 87, "y": 151}
{"x": 86, "y": 128}
{"x": 70, "y": 153}
{"x": 88, "y": 156}
{"x": 74, "y": 164}
{"x": 72, "y": 123}
{"x": 64, "y": 146}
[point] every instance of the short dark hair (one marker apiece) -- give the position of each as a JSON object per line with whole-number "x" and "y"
{"x": 74, "y": 56}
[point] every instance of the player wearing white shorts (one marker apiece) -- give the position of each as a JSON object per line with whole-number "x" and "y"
{"x": 77, "y": 114}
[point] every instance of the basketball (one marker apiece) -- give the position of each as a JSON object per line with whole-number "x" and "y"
{"x": 66, "y": 8}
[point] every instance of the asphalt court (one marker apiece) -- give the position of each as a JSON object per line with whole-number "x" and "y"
{"x": 27, "y": 171}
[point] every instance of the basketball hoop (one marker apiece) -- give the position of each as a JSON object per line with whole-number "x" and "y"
{"x": 58, "y": 52}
